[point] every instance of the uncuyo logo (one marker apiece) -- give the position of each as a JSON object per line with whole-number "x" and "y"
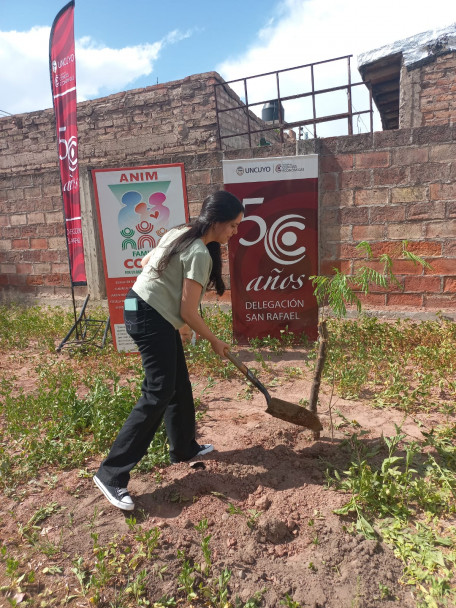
{"x": 280, "y": 239}
{"x": 240, "y": 171}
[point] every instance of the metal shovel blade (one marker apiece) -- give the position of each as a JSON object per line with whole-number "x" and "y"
{"x": 290, "y": 412}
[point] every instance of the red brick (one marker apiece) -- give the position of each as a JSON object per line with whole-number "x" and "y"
{"x": 336, "y": 163}
{"x": 406, "y": 267}
{"x": 373, "y": 196}
{"x": 425, "y": 248}
{"x": 448, "y": 249}
{"x": 391, "y": 248}
{"x": 429, "y": 172}
{"x": 17, "y": 280}
{"x": 392, "y": 288}
{"x": 440, "y": 303}
{"x": 439, "y": 192}
{"x": 392, "y": 139}
{"x": 404, "y": 299}
{"x": 18, "y": 219}
{"x": 373, "y": 299}
{"x": 35, "y": 218}
{"x": 441, "y": 266}
{"x": 440, "y": 229}
{"x": 33, "y": 192}
{"x": 4, "y": 220}
{"x": 29, "y": 231}
{"x": 355, "y": 179}
{"x": 57, "y": 242}
{"x": 60, "y": 268}
{"x": 20, "y": 244}
{"x": 368, "y": 233}
{"x": 42, "y": 268}
{"x": 8, "y": 269}
{"x": 422, "y": 284}
{"x": 409, "y": 156}
{"x": 387, "y": 213}
{"x": 35, "y": 279}
{"x": 426, "y": 211}
{"x": 391, "y": 177}
{"x": 54, "y": 217}
{"x": 375, "y": 264}
{"x": 38, "y": 243}
{"x": 368, "y": 160}
{"x": 354, "y": 215}
{"x": 53, "y": 279}
{"x": 409, "y": 194}
{"x": 24, "y": 268}
{"x": 199, "y": 177}
{"x": 348, "y": 251}
{"x": 449, "y": 285}
{"x": 51, "y": 255}
{"x": 403, "y": 231}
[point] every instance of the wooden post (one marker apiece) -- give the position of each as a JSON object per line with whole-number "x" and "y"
{"x": 321, "y": 358}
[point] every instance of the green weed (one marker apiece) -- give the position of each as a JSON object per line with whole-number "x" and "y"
{"x": 404, "y": 500}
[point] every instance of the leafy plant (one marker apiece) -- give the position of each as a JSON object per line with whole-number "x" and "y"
{"x": 341, "y": 290}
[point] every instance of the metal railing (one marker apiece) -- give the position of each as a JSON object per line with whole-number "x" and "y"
{"x": 256, "y": 125}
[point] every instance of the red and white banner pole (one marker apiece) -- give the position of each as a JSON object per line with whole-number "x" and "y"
{"x": 62, "y": 65}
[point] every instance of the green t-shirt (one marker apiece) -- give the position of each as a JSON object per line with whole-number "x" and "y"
{"x": 165, "y": 293}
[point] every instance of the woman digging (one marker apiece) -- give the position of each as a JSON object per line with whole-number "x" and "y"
{"x": 166, "y": 296}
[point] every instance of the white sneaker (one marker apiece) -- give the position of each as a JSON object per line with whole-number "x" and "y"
{"x": 119, "y": 497}
{"x": 205, "y": 448}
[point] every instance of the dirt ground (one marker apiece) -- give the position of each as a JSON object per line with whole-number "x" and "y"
{"x": 262, "y": 490}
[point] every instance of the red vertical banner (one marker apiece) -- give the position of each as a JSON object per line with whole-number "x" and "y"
{"x": 276, "y": 248}
{"x": 62, "y": 66}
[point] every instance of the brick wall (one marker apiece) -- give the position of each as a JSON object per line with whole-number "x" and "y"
{"x": 380, "y": 187}
{"x": 167, "y": 123}
{"x": 385, "y": 187}
{"x": 233, "y": 120}
{"x": 427, "y": 92}
{"x": 438, "y": 101}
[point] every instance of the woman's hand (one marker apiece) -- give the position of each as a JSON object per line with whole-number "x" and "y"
{"x": 219, "y": 347}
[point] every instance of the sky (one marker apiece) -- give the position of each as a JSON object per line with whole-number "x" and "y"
{"x": 139, "y": 43}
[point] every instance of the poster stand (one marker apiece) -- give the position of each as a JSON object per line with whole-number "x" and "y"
{"x": 86, "y": 330}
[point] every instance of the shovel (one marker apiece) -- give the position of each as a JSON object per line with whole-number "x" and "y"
{"x": 278, "y": 408}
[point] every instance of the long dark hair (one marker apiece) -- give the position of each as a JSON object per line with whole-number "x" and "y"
{"x": 218, "y": 207}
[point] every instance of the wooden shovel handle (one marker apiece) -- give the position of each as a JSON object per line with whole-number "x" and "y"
{"x": 237, "y": 362}
{"x": 247, "y": 373}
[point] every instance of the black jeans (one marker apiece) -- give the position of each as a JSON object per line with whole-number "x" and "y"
{"x": 166, "y": 391}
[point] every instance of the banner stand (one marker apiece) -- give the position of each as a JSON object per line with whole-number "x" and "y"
{"x": 87, "y": 330}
